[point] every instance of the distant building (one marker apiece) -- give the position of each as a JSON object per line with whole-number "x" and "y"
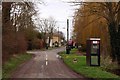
{"x": 57, "y": 38}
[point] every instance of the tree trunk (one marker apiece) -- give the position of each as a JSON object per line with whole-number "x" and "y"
{"x": 44, "y": 40}
{"x": 49, "y": 41}
{"x": 113, "y": 40}
{"x": 6, "y": 7}
{"x": 118, "y": 46}
{"x": 7, "y": 38}
{"x": 50, "y": 37}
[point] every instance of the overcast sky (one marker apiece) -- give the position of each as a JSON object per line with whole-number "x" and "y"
{"x": 60, "y": 10}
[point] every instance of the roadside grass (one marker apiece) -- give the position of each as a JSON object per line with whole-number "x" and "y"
{"x": 74, "y": 50}
{"x": 87, "y": 71}
{"x": 0, "y": 72}
{"x": 13, "y": 63}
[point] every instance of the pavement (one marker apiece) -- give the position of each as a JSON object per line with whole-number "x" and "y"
{"x": 45, "y": 64}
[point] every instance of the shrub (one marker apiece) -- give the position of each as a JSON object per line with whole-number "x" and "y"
{"x": 108, "y": 64}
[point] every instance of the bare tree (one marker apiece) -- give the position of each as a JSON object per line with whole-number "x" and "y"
{"x": 16, "y": 19}
{"x": 47, "y": 27}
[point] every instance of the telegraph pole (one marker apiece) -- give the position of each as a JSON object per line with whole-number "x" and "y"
{"x": 67, "y": 30}
{"x": 58, "y": 36}
{"x": 67, "y": 46}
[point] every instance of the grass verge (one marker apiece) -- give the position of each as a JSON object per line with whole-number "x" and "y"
{"x": 13, "y": 63}
{"x": 87, "y": 71}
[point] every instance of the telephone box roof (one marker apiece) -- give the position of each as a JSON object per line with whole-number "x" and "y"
{"x": 94, "y": 39}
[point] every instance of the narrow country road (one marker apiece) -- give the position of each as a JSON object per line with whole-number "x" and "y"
{"x": 45, "y": 64}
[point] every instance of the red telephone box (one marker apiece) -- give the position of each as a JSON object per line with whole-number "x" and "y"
{"x": 93, "y": 52}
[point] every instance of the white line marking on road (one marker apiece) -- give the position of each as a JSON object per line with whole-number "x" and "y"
{"x": 46, "y": 59}
{"x": 46, "y": 62}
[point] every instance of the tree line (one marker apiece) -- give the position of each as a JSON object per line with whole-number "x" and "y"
{"x": 19, "y": 30}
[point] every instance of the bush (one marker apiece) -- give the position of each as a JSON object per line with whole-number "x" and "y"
{"x": 21, "y": 43}
{"x": 36, "y": 43}
{"x": 106, "y": 63}
{"x": 82, "y": 48}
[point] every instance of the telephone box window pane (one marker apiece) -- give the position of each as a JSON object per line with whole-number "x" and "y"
{"x": 94, "y": 48}
{"x": 94, "y": 60}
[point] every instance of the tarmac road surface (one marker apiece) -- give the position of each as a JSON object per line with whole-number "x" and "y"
{"x": 45, "y": 64}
